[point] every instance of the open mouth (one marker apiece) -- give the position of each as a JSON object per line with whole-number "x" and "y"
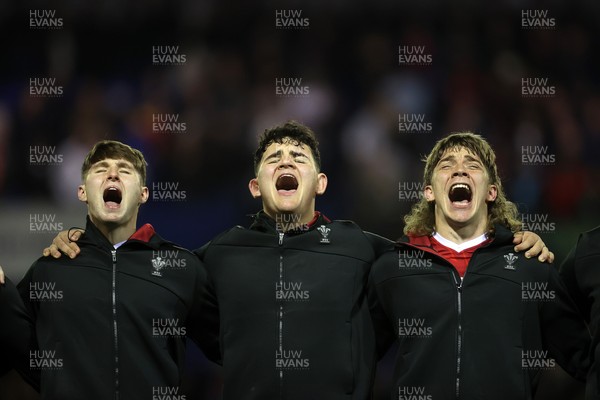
{"x": 112, "y": 197}
{"x": 460, "y": 193}
{"x": 287, "y": 183}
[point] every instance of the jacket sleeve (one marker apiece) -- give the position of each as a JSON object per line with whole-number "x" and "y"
{"x": 17, "y": 334}
{"x": 201, "y": 251}
{"x": 23, "y": 288}
{"x": 203, "y": 320}
{"x": 565, "y": 333}
{"x": 569, "y": 275}
{"x": 379, "y": 243}
{"x": 384, "y": 331}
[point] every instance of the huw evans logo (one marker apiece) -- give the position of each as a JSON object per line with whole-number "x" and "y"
{"x": 410, "y": 55}
{"x": 289, "y": 222}
{"x": 290, "y": 87}
{"x": 537, "y": 291}
{"x": 291, "y": 19}
{"x": 413, "y": 393}
{"x": 413, "y": 123}
{"x": 44, "y": 19}
{"x": 413, "y": 259}
{"x": 538, "y": 223}
{"x": 168, "y": 123}
{"x": 291, "y": 359}
{"x": 410, "y": 191}
{"x": 44, "y": 291}
{"x": 291, "y": 291}
{"x": 168, "y": 191}
{"x": 170, "y": 259}
{"x": 168, "y": 327}
{"x": 44, "y": 223}
{"x": 536, "y": 359}
{"x": 537, "y": 87}
{"x": 537, "y": 19}
{"x": 414, "y": 327}
{"x": 44, "y": 87}
{"x": 44, "y": 359}
{"x": 537, "y": 155}
{"x": 44, "y": 155}
{"x": 167, "y": 55}
{"x": 167, "y": 393}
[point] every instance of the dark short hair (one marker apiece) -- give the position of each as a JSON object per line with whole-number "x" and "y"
{"x": 112, "y": 149}
{"x": 291, "y": 131}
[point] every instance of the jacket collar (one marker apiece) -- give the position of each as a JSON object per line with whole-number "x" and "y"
{"x": 500, "y": 235}
{"x": 263, "y": 223}
{"x": 92, "y": 235}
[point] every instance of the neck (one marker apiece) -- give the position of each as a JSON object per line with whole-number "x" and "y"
{"x": 115, "y": 233}
{"x": 288, "y": 221}
{"x": 459, "y": 233}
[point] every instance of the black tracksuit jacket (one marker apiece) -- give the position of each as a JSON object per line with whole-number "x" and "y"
{"x": 294, "y": 319}
{"x": 111, "y": 324}
{"x": 486, "y": 337}
{"x": 581, "y": 274}
{"x": 16, "y": 332}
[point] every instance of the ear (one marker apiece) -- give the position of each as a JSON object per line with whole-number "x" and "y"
{"x": 81, "y": 194}
{"x": 321, "y": 183}
{"x": 492, "y": 194}
{"x": 428, "y": 193}
{"x": 253, "y": 187}
{"x": 144, "y": 195}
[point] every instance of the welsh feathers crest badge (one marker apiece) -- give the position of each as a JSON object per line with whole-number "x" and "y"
{"x": 510, "y": 259}
{"x": 157, "y": 264}
{"x": 324, "y": 231}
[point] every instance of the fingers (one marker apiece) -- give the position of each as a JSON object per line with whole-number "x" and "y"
{"x": 518, "y": 239}
{"x": 531, "y": 248}
{"x": 75, "y": 234}
{"x": 53, "y": 251}
{"x": 532, "y": 244}
{"x": 546, "y": 256}
{"x": 537, "y": 250}
{"x": 65, "y": 242}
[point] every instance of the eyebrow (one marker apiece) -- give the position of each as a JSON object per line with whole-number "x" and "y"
{"x": 298, "y": 154}
{"x": 278, "y": 153}
{"x": 120, "y": 164}
{"x": 468, "y": 157}
{"x": 473, "y": 158}
{"x": 447, "y": 158}
{"x": 273, "y": 155}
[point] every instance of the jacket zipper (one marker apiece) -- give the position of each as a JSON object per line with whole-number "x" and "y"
{"x": 114, "y": 315}
{"x": 459, "y": 286}
{"x": 280, "y": 315}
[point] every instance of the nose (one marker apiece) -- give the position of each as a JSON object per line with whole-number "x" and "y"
{"x": 459, "y": 171}
{"x": 286, "y": 161}
{"x": 113, "y": 173}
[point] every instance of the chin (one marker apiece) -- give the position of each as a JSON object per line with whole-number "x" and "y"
{"x": 112, "y": 218}
{"x": 289, "y": 206}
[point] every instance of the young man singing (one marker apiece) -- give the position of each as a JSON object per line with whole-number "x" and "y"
{"x": 111, "y": 324}
{"x": 473, "y": 319}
